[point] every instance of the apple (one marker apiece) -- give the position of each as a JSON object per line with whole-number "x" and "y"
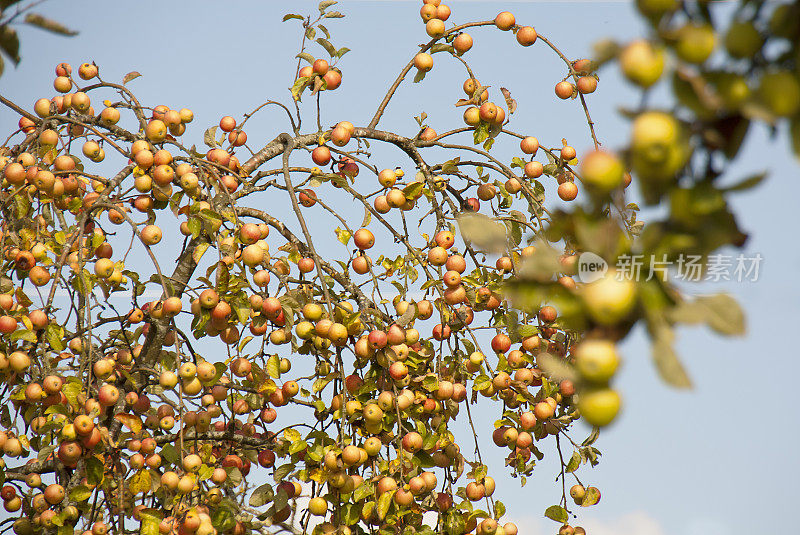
{"x": 599, "y": 406}
{"x": 642, "y": 62}
{"x": 596, "y": 360}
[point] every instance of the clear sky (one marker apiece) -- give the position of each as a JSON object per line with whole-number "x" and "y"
{"x": 718, "y": 459}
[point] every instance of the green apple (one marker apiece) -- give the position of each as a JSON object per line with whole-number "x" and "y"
{"x": 610, "y": 299}
{"x": 599, "y": 406}
{"x": 642, "y": 63}
{"x": 596, "y": 360}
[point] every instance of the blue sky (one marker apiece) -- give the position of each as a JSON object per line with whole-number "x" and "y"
{"x": 714, "y": 460}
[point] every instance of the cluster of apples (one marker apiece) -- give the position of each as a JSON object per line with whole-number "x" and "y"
{"x": 692, "y": 43}
{"x": 323, "y": 71}
{"x": 140, "y": 423}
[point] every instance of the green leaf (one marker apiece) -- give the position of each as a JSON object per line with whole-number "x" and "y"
{"x": 430, "y": 383}
{"x": 306, "y": 56}
{"x": 349, "y": 514}
{"x": 298, "y": 86}
{"x": 170, "y": 453}
{"x": 484, "y": 232}
{"x": 71, "y": 390}
{"x": 454, "y": 523}
{"x": 55, "y": 337}
{"x": 262, "y": 495}
{"x": 343, "y": 235}
{"x": 333, "y": 15}
{"x": 482, "y": 382}
{"x": 234, "y": 475}
{"x": 555, "y": 368}
{"x": 362, "y": 491}
{"x": 342, "y": 51}
{"x": 481, "y": 133}
{"x": 419, "y": 76}
{"x": 574, "y": 462}
{"x": 282, "y": 471}
{"x": 327, "y": 46}
{"x": 325, "y": 4}
{"x": 40, "y": 21}
{"x": 24, "y": 334}
{"x": 414, "y": 189}
{"x": 794, "y": 134}
{"x": 724, "y": 314}
{"x": 81, "y": 493}
{"x": 321, "y": 382}
{"x": 517, "y": 162}
{"x": 592, "y": 438}
{"x": 94, "y": 471}
{"x": 222, "y": 518}
{"x": 557, "y": 513}
{"x": 499, "y": 509}
{"x": 297, "y": 446}
{"x": 720, "y": 312}
{"x": 450, "y": 166}
{"x": 747, "y": 183}
{"x": 290, "y": 16}
{"x": 441, "y": 47}
{"x": 667, "y": 363}
{"x": 9, "y": 42}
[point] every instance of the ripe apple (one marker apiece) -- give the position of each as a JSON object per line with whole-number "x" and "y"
{"x": 423, "y": 61}
{"x": 505, "y": 20}
{"x": 564, "y": 90}
{"x": 462, "y": 43}
{"x": 526, "y": 36}
{"x": 318, "y": 506}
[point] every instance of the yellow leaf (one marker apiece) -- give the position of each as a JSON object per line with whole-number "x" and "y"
{"x": 140, "y": 482}
{"x": 129, "y": 421}
{"x": 291, "y": 435}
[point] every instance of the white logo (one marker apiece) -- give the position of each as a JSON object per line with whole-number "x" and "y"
{"x": 591, "y": 267}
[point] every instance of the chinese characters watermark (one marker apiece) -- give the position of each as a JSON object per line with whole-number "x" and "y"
{"x": 689, "y": 268}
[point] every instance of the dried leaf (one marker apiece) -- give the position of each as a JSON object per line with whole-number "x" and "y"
{"x": 130, "y": 422}
{"x": 510, "y": 102}
{"x": 130, "y": 76}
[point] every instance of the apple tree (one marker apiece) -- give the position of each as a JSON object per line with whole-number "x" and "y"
{"x": 451, "y": 286}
